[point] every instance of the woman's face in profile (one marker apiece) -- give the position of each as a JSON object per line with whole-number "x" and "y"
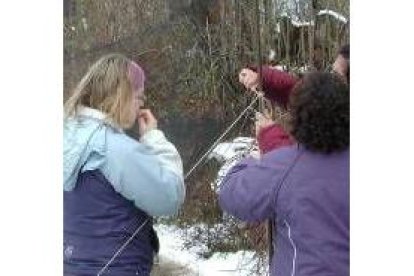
{"x": 138, "y": 100}
{"x": 137, "y": 78}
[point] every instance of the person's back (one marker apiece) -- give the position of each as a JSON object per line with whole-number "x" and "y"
{"x": 313, "y": 213}
{"x": 303, "y": 188}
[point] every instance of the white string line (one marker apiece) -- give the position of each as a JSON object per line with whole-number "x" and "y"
{"x": 238, "y": 155}
{"x": 258, "y": 95}
{"x": 122, "y": 248}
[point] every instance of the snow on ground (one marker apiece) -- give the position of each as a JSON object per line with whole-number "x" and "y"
{"x": 239, "y": 263}
{"x": 230, "y": 153}
{"x": 188, "y": 260}
{"x": 173, "y": 250}
{"x": 228, "y": 150}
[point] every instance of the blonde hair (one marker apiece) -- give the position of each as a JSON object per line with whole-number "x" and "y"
{"x": 105, "y": 87}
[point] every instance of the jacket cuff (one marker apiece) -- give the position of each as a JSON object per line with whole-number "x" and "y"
{"x": 152, "y": 136}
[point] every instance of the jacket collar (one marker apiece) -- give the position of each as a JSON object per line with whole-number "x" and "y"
{"x": 92, "y": 113}
{"x": 97, "y": 115}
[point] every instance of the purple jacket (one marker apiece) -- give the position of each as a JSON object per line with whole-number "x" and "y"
{"x": 307, "y": 196}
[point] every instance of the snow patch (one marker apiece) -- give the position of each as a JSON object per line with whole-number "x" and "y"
{"x": 228, "y": 150}
{"x": 335, "y": 14}
{"x": 172, "y": 250}
{"x": 230, "y": 153}
{"x": 302, "y": 23}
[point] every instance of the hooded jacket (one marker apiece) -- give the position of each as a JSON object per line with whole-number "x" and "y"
{"x": 114, "y": 185}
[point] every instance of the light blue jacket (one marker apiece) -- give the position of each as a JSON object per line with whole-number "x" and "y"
{"x": 148, "y": 172}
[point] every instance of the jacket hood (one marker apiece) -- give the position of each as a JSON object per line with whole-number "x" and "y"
{"x": 78, "y": 132}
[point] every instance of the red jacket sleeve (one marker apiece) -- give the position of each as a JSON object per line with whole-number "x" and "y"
{"x": 273, "y": 137}
{"x": 277, "y": 85}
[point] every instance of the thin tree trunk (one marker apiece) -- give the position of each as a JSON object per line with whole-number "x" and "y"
{"x": 312, "y": 32}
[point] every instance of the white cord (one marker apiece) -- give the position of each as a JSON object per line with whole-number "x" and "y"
{"x": 221, "y": 136}
{"x": 122, "y": 248}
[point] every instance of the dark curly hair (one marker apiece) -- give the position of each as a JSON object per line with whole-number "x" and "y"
{"x": 319, "y": 110}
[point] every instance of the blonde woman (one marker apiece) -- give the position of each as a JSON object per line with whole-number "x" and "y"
{"x": 113, "y": 184}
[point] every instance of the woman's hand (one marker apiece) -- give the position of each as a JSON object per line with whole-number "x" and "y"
{"x": 146, "y": 121}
